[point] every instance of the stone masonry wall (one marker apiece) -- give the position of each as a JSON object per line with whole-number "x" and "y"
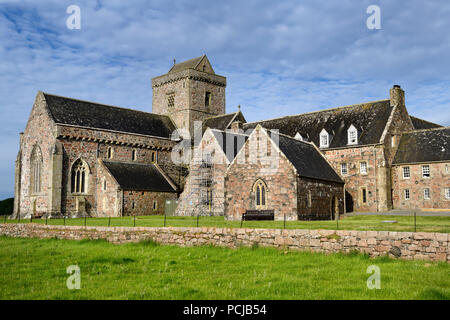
{"x": 437, "y": 182}
{"x": 140, "y": 203}
{"x": 403, "y": 245}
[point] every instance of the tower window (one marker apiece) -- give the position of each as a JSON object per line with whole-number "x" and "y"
{"x": 171, "y": 100}
{"x": 364, "y": 195}
{"x": 155, "y": 205}
{"x": 134, "y": 155}
{"x": 154, "y": 156}
{"x": 207, "y": 99}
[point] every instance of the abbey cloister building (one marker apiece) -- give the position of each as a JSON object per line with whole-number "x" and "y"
{"x": 80, "y": 158}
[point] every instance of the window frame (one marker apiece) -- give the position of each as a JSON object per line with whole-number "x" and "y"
{"x": 260, "y": 194}
{"x": 79, "y": 184}
{"x": 344, "y": 165}
{"x": 407, "y": 194}
{"x": 365, "y": 167}
{"x": 425, "y": 196}
{"x": 326, "y": 135}
{"x": 409, "y": 172}
{"x": 424, "y": 174}
{"x": 352, "y": 131}
{"x": 447, "y": 193}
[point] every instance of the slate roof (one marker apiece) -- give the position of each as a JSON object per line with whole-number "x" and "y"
{"x": 308, "y": 161}
{"x": 369, "y": 118}
{"x": 98, "y": 116}
{"x": 188, "y": 64}
{"x": 424, "y": 146}
{"x": 139, "y": 177}
{"x": 420, "y": 124}
{"x": 228, "y": 140}
{"x": 224, "y": 121}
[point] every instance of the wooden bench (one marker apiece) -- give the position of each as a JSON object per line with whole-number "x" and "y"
{"x": 258, "y": 215}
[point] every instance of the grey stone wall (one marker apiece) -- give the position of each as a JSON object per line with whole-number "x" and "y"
{"x": 403, "y": 245}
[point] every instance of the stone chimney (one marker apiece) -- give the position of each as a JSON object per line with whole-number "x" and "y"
{"x": 397, "y": 96}
{"x": 236, "y": 126}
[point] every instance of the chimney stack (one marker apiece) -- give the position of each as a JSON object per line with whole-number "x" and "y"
{"x": 397, "y": 96}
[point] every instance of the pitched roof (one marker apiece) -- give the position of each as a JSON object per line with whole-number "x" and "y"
{"x": 305, "y": 157}
{"x": 420, "y": 124}
{"x": 188, "y": 64}
{"x": 230, "y": 142}
{"x": 369, "y": 118}
{"x": 99, "y": 116}
{"x": 140, "y": 177}
{"x": 424, "y": 146}
{"x": 223, "y": 122}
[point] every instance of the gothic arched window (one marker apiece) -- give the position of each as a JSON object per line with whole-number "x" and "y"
{"x": 36, "y": 170}
{"x": 79, "y": 177}
{"x": 260, "y": 190}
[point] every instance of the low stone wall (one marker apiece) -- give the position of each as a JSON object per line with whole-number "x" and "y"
{"x": 404, "y": 245}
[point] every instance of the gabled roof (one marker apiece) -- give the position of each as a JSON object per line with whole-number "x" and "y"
{"x": 420, "y": 124}
{"x": 424, "y": 146}
{"x": 139, "y": 177}
{"x": 93, "y": 115}
{"x": 190, "y": 64}
{"x": 305, "y": 157}
{"x": 224, "y": 121}
{"x": 369, "y": 118}
{"x": 230, "y": 142}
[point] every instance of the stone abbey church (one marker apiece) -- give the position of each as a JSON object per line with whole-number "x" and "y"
{"x": 80, "y": 158}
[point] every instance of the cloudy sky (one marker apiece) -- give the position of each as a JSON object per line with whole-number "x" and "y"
{"x": 280, "y": 57}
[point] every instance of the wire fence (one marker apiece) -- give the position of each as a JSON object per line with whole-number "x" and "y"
{"x": 411, "y": 222}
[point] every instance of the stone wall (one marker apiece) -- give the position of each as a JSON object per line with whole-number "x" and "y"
{"x": 140, "y": 203}
{"x": 404, "y": 245}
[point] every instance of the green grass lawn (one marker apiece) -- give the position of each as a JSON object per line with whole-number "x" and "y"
{"x": 404, "y": 223}
{"x": 36, "y": 269}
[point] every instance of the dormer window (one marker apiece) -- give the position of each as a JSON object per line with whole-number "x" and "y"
{"x": 298, "y": 136}
{"x": 324, "y": 139}
{"x": 352, "y": 135}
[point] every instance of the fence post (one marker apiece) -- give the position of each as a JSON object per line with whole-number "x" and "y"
{"x": 284, "y": 223}
{"x": 19, "y": 218}
{"x": 85, "y": 221}
{"x": 197, "y": 219}
{"x": 242, "y": 220}
{"x": 109, "y": 221}
{"x": 134, "y": 221}
{"x": 46, "y": 221}
{"x": 415, "y": 225}
{"x": 337, "y": 222}
{"x": 64, "y": 217}
{"x": 5, "y": 218}
{"x": 31, "y": 218}
{"x": 164, "y": 219}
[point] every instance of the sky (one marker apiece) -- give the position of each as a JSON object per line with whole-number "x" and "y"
{"x": 279, "y": 57}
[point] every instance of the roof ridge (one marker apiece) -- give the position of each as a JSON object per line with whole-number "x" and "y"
{"x": 230, "y": 132}
{"x": 287, "y": 136}
{"x": 221, "y": 115}
{"x": 429, "y": 129}
{"x": 129, "y": 162}
{"x": 102, "y": 104}
{"x": 423, "y": 120}
{"x": 324, "y": 110}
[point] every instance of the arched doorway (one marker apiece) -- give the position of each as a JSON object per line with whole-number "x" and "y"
{"x": 348, "y": 202}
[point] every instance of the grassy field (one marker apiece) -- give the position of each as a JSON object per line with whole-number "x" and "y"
{"x": 404, "y": 223}
{"x": 36, "y": 269}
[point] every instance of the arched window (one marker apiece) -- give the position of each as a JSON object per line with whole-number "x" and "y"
{"x": 134, "y": 155}
{"x": 324, "y": 139}
{"x": 260, "y": 191}
{"x": 36, "y": 170}
{"x": 79, "y": 177}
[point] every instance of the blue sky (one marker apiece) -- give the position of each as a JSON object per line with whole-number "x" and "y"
{"x": 280, "y": 57}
